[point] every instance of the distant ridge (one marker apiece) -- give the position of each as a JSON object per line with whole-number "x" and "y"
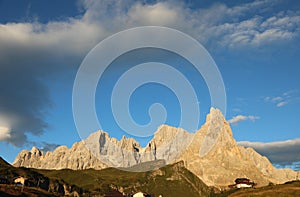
{"x": 3, "y": 163}
{"x": 211, "y": 153}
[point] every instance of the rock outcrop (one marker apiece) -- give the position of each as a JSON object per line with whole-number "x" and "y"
{"x": 211, "y": 153}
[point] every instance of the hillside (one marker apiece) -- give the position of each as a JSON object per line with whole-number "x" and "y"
{"x": 289, "y": 189}
{"x": 36, "y": 183}
{"x": 171, "y": 180}
{"x": 3, "y": 164}
{"x": 11, "y": 190}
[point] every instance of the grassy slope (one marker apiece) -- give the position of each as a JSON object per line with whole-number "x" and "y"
{"x": 11, "y": 190}
{"x": 10, "y": 172}
{"x": 290, "y": 189}
{"x": 170, "y": 180}
{"x": 37, "y": 183}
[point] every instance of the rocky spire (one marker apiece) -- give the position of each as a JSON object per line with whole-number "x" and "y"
{"x": 218, "y": 133}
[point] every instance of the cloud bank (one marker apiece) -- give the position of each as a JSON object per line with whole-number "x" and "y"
{"x": 281, "y": 154}
{"x": 31, "y": 53}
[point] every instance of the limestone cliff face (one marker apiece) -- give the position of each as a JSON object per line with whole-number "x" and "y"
{"x": 211, "y": 153}
{"x": 112, "y": 152}
{"x": 78, "y": 157}
{"x": 170, "y": 143}
{"x": 99, "y": 151}
{"x": 217, "y": 159}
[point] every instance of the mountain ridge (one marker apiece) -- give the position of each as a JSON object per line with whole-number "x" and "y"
{"x": 211, "y": 153}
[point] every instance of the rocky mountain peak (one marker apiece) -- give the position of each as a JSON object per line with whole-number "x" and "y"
{"x": 215, "y": 133}
{"x": 166, "y": 133}
{"x": 129, "y": 143}
{"x": 36, "y": 152}
{"x": 215, "y": 115}
{"x": 216, "y": 122}
{"x": 211, "y": 153}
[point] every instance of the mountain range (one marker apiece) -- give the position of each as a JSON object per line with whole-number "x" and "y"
{"x": 211, "y": 153}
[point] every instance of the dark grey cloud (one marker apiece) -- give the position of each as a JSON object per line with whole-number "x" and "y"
{"x": 48, "y": 146}
{"x": 28, "y": 65}
{"x": 23, "y": 102}
{"x": 281, "y": 154}
{"x": 44, "y": 146}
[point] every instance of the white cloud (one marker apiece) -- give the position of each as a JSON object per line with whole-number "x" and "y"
{"x": 255, "y": 32}
{"x": 281, "y": 153}
{"x": 283, "y": 103}
{"x": 237, "y": 119}
{"x": 4, "y": 133}
{"x": 73, "y": 36}
{"x": 271, "y": 35}
{"x": 282, "y": 100}
{"x": 276, "y": 99}
{"x": 158, "y": 14}
{"x": 289, "y": 93}
{"x": 253, "y": 118}
{"x": 240, "y": 118}
{"x": 241, "y": 25}
{"x": 103, "y": 18}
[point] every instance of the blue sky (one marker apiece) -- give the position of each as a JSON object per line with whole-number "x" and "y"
{"x": 255, "y": 45}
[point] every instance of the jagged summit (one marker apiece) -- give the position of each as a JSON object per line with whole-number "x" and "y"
{"x": 217, "y": 132}
{"x": 166, "y": 133}
{"x": 214, "y": 112}
{"x": 211, "y": 153}
{"x": 35, "y": 151}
